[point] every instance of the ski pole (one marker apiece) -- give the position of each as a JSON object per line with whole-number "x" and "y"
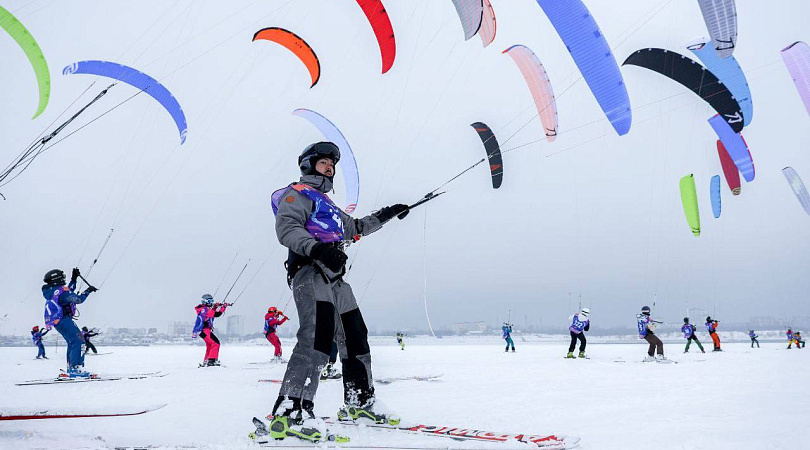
{"x": 235, "y": 281}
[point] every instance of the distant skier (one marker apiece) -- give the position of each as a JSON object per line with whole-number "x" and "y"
{"x": 271, "y": 322}
{"x": 753, "y": 337}
{"x": 86, "y": 335}
{"x": 207, "y": 310}
{"x": 60, "y": 308}
{"x": 36, "y": 337}
{"x": 797, "y": 337}
{"x": 646, "y": 331}
{"x": 506, "y": 330}
{"x": 329, "y": 372}
{"x": 580, "y": 322}
{"x": 689, "y": 333}
{"x": 401, "y": 340}
{"x": 711, "y": 327}
{"x": 790, "y": 339}
{"x": 316, "y": 232}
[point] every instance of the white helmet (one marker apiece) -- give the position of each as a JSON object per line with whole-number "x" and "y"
{"x": 585, "y": 312}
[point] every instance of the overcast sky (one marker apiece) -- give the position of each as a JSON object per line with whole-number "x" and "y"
{"x": 592, "y": 214}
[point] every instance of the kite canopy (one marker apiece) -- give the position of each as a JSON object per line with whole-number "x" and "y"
{"x": 797, "y": 59}
{"x": 348, "y": 165}
{"x": 728, "y": 71}
{"x": 381, "y": 25}
{"x": 736, "y": 147}
{"x": 295, "y": 44}
{"x": 592, "y": 55}
{"x": 693, "y": 76}
{"x": 137, "y": 79}
{"x": 493, "y": 152}
{"x": 20, "y": 34}
{"x": 797, "y": 185}
{"x": 488, "y": 26}
{"x": 721, "y": 21}
{"x": 730, "y": 170}
{"x": 714, "y": 193}
{"x": 540, "y": 86}
{"x": 690, "y": 204}
{"x": 470, "y": 13}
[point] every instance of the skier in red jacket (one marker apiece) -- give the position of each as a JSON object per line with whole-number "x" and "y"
{"x": 272, "y": 320}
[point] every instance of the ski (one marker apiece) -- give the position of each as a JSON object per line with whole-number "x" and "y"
{"x": 64, "y": 380}
{"x": 547, "y": 442}
{"x": 50, "y": 413}
{"x": 382, "y": 381}
{"x": 411, "y": 378}
{"x": 272, "y": 361}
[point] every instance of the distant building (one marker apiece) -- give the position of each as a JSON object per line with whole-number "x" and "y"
{"x": 235, "y": 326}
{"x": 121, "y": 332}
{"x": 180, "y": 329}
{"x": 469, "y": 327}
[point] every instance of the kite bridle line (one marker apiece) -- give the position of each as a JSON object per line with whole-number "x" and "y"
{"x": 226, "y": 273}
{"x": 39, "y": 146}
{"x": 103, "y": 246}
{"x": 234, "y": 282}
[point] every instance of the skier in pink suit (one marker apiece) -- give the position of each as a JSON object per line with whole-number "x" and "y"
{"x": 207, "y": 310}
{"x": 272, "y": 320}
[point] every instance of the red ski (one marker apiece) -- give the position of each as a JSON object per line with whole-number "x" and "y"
{"x": 56, "y": 413}
{"x": 548, "y": 442}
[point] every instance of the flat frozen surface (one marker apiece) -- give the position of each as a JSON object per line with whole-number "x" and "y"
{"x": 740, "y": 398}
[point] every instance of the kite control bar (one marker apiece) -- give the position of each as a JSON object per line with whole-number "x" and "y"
{"x": 428, "y": 197}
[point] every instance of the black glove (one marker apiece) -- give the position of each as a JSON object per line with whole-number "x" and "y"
{"x": 387, "y": 213}
{"x": 74, "y": 275}
{"x": 330, "y": 256}
{"x": 90, "y": 290}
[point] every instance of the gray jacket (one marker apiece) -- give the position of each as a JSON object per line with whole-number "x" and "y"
{"x": 295, "y": 208}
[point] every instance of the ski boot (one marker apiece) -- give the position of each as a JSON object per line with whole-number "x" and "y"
{"x": 352, "y": 413}
{"x": 212, "y": 362}
{"x": 286, "y": 426}
{"x": 330, "y": 373}
{"x": 648, "y": 358}
{"x": 582, "y": 354}
{"x": 513, "y": 350}
{"x": 570, "y": 355}
{"x": 77, "y": 372}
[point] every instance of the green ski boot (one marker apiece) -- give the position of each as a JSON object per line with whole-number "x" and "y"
{"x": 570, "y": 355}
{"x": 581, "y": 354}
{"x": 283, "y": 426}
{"x": 352, "y": 413}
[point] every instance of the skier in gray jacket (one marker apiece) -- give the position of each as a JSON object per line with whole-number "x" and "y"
{"x": 316, "y": 232}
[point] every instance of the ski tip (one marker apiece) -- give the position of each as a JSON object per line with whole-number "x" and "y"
{"x": 154, "y": 407}
{"x": 570, "y": 441}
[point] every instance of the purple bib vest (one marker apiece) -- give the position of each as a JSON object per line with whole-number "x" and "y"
{"x": 324, "y": 223}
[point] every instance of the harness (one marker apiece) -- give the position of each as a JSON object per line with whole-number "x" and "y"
{"x": 324, "y": 224}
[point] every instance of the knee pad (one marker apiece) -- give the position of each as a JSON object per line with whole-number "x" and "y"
{"x": 324, "y": 327}
{"x": 356, "y": 333}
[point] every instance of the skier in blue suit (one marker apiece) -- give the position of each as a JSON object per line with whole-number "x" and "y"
{"x": 60, "y": 308}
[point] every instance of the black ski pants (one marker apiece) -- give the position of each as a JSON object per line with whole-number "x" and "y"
{"x": 753, "y": 340}
{"x": 89, "y": 346}
{"x": 582, "y": 341}
{"x": 655, "y": 344}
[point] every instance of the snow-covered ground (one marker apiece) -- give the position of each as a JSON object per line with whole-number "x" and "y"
{"x": 738, "y": 399}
